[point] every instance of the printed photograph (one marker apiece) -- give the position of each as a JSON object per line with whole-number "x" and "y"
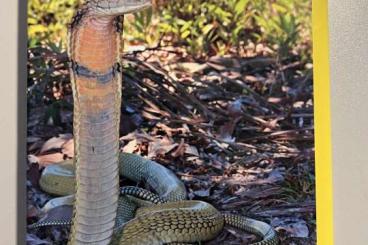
{"x": 170, "y": 122}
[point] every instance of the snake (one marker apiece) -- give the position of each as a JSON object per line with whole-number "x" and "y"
{"x": 99, "y": 211}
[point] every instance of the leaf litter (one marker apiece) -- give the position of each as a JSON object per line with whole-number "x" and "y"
{"x": 238, "y": 131}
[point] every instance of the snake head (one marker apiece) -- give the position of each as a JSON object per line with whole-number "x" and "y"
{"x": 117, "y": 7}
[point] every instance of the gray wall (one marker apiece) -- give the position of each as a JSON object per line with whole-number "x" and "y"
{"x": 8, "y": 118}
{"x": 348, "y": 20}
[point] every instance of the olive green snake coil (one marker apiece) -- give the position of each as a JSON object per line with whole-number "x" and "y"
{"x": 171, "y": 219}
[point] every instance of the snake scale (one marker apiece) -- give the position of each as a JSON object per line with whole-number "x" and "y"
{"x": 100, "y": 216}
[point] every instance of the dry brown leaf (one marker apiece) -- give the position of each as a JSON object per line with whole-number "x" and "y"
{"x": 160, "y": 147}
{"x": 170, "y": 131}
{"x": 33, "y": 174}
{"x": 55, "y": 142}
{"x": 32, "y": 159}
{"x": 180, "y": 150}
{"x": 68, "y": 148}
{"x": 45, "y": 160}
{"x": 223, "y": 62}
{"x": 149, "y": 116}
{"x": 226, "y": 130}
{"x": 31, "y": 139}
{"x": 32, "y": 211}
{"x": 202, "y": 193}
{"x": 190, "y": 67}
{"x": 131, "y": 146}
{"x": 35, "y": 146}
{"x": 140, "y": 137}
{"x": 191, "y": 150}
{"x": 295, "y": 227}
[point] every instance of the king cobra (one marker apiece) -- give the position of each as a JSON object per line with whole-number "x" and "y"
{"x": 94, "y": 43}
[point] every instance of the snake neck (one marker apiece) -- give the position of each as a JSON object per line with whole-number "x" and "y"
{"x": 94, "y": 45}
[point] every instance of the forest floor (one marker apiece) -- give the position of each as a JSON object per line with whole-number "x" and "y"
{"x": 238, "y": 131}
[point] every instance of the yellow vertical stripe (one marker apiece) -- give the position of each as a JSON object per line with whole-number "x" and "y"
{"x": 324, "y": 191}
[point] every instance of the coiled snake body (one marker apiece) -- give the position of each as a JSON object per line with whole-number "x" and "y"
{"x": 94, "y": 51}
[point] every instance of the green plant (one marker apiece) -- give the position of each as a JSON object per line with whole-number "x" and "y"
{"x": 141, "y": 28}
{"x": 205, "y": 27}
{"x": 47, "y": 20}
{"x": 282, "y": 23}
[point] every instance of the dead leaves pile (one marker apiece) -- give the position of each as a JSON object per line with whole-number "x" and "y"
{"x": 237, "y": 131}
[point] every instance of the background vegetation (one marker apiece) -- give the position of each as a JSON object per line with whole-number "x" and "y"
{"x": 204, "y": 27}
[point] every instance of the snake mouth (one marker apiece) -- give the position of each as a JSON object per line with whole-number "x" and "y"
{"x": 120, "y": 7}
